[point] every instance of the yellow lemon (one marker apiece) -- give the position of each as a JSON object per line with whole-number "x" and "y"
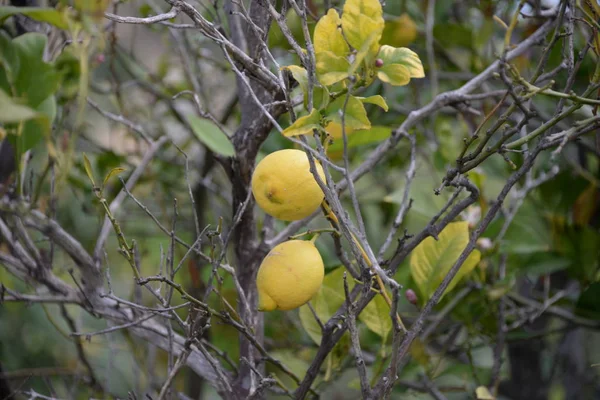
{"x": 335, "y": 130}
{"x": 289, "y": 276}
{"x": 399, "y": 32}
{"x": 284, "y": 187}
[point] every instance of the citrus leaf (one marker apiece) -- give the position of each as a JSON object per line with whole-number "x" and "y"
{"x": 326, "y": 302}
{"x": 88, "y": 169}
{"x": 394, "y": 74}
{"x": 361, "y": 19}
{"x": 402, "y": 56}
{"x": 113, "y": 172}
{"x": 35, "y": 79}
{"x": 304, "y": 125}
{"x": 36, "y": 129}
{"x": 331, "y": 68}
{"x": 355, "y": 117}
{"x": 368, "y": 48}
{"x": 483, "y": 393}
{"x": 358, "y": 138}
{"x": 376, "y": 316}
{"x": 431, "y": 260}
{"x": 377, "y": 100}
{"x": 328, "y": 36}
{"x": 300, "y": 75}
{"x": 211, "y": 135}
{"x": 49, "y": 15}
{"x": 12, "y": 112}
{"x": 320, "y": 93}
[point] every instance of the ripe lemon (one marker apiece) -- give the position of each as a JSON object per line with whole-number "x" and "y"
{"x": 284, "y": 187}
{"x": 335, "y": 130}
{"x": 289, "y": 276}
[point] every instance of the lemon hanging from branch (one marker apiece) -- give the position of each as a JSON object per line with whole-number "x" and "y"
{"x": 289, "y": 276}
{"x": 284, "y": 187}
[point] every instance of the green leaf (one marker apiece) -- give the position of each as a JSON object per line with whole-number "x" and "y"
{"x": 376, "y": 316}
{"x": 49, "y": 15}
{"x": 211, "y": 135}
{"x": 326, "y": 302}
{"x": 36, "y": 80}
{"x": 320, "y": 93}
{"x": 88, "y": 169}
{"x": 328, "y": 35}
{"x": 377, "y": 100}
{"x": 394, "y": 74}
{"x": 35, "y": 130}
{"x": 355, "y": 117}
{"x": 395, "y": 57}
{"x": 431, "y": 260}
{"x": 360, "y": 20}
{"x": 11, "y": 112}
{"x": 358, "y": 138}
{"x": 588, "y": 304}
{"x": 331, "y": 68}
{"x": 304, "y": 125}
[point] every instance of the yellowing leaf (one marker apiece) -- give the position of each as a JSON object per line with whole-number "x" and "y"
{"x": 320, "y": 93}
{"x": 326, "y": 302}
{"x": 376, "y": 316}
{"x": 361, "y": 19}
{"x": 483, "y": 393}
{"x": 300, "y": 75}
{"x": 394, "y": 74}
{"x": 431, "y": 260}
{"x": 403, "y": 56}
{"x": 355, "y": 117}
{"x": 113, "y": 172}
{"x": 369, "y": 48}
{"x": 328, "y": 36}
{"x": 88, "y": 169}
{"x": 400, "y": 31}
{"x": 377, "y": 100}
{"x": 304, "y": 125}
{"x": 331, "y": 68}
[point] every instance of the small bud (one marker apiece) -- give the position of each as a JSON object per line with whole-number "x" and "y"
{"x": 379, "y": 63}
{"x": 411, "y": 296}
{"x": 485, "y": 243}
{"x": 100, "y": 58}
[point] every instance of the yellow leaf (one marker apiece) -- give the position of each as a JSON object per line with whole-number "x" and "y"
{"x": 300, "y": 75}
{"x": 394, "y": 74}
{"x": 331, "y": 68}
{"x": 377, "y": 100}
{"x": 376, "y": 316}
{"x": 304, "y": 125}
{"x": 483, "y": 393}
{"x": 355, "y": 116}
{"x": 402, "y": 56}
{"x": 113, "y": 172}
{"x": 328, "y": 36}
{"x": 361, "y": 19}
{"x": 431, "y": 260}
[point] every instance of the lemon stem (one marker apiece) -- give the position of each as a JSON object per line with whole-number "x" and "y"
{"x": 334, "y": 221}
{"x": 314, "y": 238}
